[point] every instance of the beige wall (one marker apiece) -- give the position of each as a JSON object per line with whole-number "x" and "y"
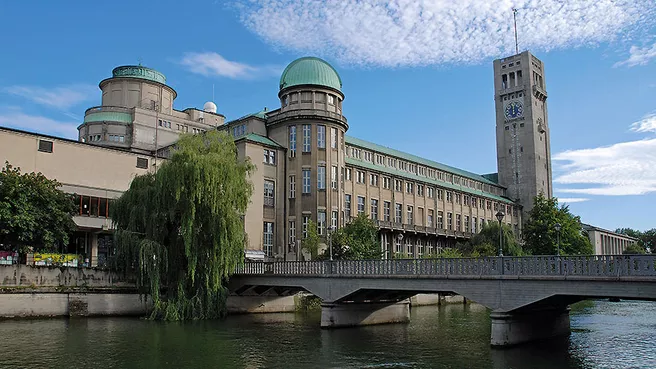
{"x": 608, "y": 243}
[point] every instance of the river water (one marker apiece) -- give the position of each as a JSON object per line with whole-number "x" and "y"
{"x": 604, "y": 335}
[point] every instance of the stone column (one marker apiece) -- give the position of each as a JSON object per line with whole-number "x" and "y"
{"x": 93, "y": 240}
{"x": 520, "y": 327}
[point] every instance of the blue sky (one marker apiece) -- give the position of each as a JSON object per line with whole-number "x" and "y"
{"x": 417, "y": 75}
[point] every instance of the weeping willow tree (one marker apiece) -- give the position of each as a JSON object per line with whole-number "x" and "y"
{"x": 181, "y": 228}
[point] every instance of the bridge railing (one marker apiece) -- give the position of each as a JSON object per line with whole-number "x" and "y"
{"x": 585, "y": 266}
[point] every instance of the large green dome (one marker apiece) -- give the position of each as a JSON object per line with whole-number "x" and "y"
{"x": 310, "y": 71}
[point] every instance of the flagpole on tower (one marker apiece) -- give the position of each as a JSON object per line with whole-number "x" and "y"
{"x": 514, "y": 10}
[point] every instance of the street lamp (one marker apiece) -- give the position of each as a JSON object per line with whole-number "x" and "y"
{"x": 330, "y": 241}
{"x": 500, "y": 216}
{"x": 558, "y": 227}
{"x": 399, "y": 237}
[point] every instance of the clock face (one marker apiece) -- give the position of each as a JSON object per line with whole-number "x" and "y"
{"x": 514, "y": 109}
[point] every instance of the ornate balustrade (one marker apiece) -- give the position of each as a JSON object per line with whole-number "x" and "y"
{"x": 536, "y": 266}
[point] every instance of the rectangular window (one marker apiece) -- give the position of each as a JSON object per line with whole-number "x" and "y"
{"x": 430, "y": 192}
{"x": 360, "y": 205}
{"x": 386, "y": 183}
{"x": 292, "y": 141}
{"x": 321, "y": 137}
{"x": 373, "y": 180}
{"x": 420, "y": 190}
{"x": 321, "y": 222}
{"x": 321, "y": 177}
{"x": 398, "y": 185}
{"x": 333, "y": 177}
{"x": 430, "y": 218}
{"x": 360, "y": 178}
{"x": 458, "y": 198}
{"x": 409, "y": 187}
{"x": 268, "y": 193}
{"x": 347, "y": 207}
{"x": 102, "y": 207}
{"x": 458, "y": 222}
{"x": 348, "y": 174}
{"x": 292, "y": 187}
{"x": 489, "y": 205}
{"x": 333, "y": 219}
{"x": 440, "y": 220}
{"x": 306, "y": 223}
{"x": 410, "y": 215}
{"x": 481, "y": 203}
{"x": 306, "y": 137}
{"x": 440, "y": 194}
{"x": 333, "y": 138}
{"x": 467, "y": 229}
{"x": 269, "y": 157}
{"x": 398, "y": 213}
{"x": 268, "y": 238}
{"x": 449, "y": 221}
{"x": 292, "y": 233}
{"x": 386, "y": 211}
{"x": 374, "y": 209}
{"x": 449, "y": 197}
{"x": 474, "y": 225}
{"x": 306, "y": 181}
{"x": 142, "y": 163}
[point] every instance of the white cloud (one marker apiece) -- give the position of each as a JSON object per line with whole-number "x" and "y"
{"x": 571, "y": 200}
{"x": 424, "y": 32}
{"x": 639, "y": 56}
{"x": 646, "y": 124}
{"x": 15, "y": 118}
{"x": 627, "y": 168}
{"x": 213, "y": 64}
{"x": 58, "y": 97}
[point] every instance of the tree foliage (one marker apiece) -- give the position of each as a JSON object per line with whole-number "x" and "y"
{"x": 447, "y": 252}
{"x": 182, "y": 227}
{"x": 646, "y": 239}
{"x": 357, "y": 240}
{"x": 486, "y": 242}
{"x": 633, "y": 249}
{"x": 540, "y": 234}
{"x": 33, "y": 211}
{"x": 310, "y": 243}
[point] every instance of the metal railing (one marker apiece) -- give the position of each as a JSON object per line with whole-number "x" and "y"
{"x": 98, "y": 109}
{"x": 535, "y": 266}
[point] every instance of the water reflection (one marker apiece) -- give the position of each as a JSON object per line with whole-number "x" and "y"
{"x": 605, "y": 335}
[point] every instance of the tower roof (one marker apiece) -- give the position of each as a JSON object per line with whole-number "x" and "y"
{"x": 310, "y": 71}
{"x": 138, "y": 71}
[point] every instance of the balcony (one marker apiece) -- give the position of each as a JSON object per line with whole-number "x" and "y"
{"x": 539, "y": 93}
{"x": 108, "y": 114}
{"x": 307, "y": 113}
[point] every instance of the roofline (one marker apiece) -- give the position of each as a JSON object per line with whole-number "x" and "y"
{"x": 589, "y": 226}
{"x": 246, "y": 138}
{"x": 287, "y": 88}
{"x": 175, "y": 93}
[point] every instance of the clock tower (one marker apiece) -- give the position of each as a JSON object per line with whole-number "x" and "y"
{"x": 523, "y": 143}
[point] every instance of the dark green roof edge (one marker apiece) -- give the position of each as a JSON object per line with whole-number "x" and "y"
{"x": 260, "y": 114}
{"x": 417, "y": 159}
{"x": 253, "y": 137}
{"x": 494, "y": 177}
{"x": 414, "y": 177}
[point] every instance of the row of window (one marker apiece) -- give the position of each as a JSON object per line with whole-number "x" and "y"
{"x": 307, "y": 138}
{"x": 239, "y": 130}
{"x": 306, "y": 97}
{"x": 420, "y": 170}
{"x": 92, "y": 206}
{"x": 322, "y": 229}
{"x": 180, "y": 127}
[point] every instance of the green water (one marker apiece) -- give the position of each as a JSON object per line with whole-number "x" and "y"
{"x": 604, "y": 335}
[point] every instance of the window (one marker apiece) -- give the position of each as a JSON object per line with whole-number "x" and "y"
{"x": 398, "y": 185}
{"x": 292, "y": 187}
{"x": 367, "y": 156}
{"x": 409, "y": 187}
{"x": 142, "y": 163}
{"x": 269, "y": 157}
{"x": 347, "y": 207}
{"x": 333, "y": 219}
{"x": 458, "y": 222}
{"x": 373, "y": 180}
{"x": 374, "y": 209}
{"x": 398, "y": 213}
{"x": 386, "y": 211}
{"x": 410, "y": 219}
{"x": 474, "y": 225}
{"x": 386, "y": 183}
{"x": 306, "y": 222}
{"x": 449, "y": 221}
{"x": 489, "y": 205}
{"x": 292, "y": 232}
{"x": 333, "y": 137}
{"x": 430, "y": 192}
{"x": 360, "y": 205}
{"x": 268, "y": 193}
{"x": 449, "y": 197}
{"x": 481, "y": 203}
{"x": 321, "y": 177}
{"x": 458, "y": 198}
{"x": 420, "y": 190}
{"x": 321, "y": 137}
{"x": 440, "y": 220}
{"x": 466, "y": 199}
{"x": 292, "y": 140}
{"x": 321, "y": 222}
{"x": 331, "y": 99}
{"x": 360, "y": 178}
{"x": 430, "y": 218}
{"x": 440, "y": 194}
{"x": 306, "y": 181}
{"x": 348, "y": 174}
{"x": 46, "y": 146}
{"x": 306, "y": 137}
{"x": 237, "y": 131}
{"x": 333, "y": 177}
{"x": 467, "y": 229}
{"x": 268, "y": 238}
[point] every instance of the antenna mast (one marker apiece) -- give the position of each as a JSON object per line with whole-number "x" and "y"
{"x": 514, "y": 10}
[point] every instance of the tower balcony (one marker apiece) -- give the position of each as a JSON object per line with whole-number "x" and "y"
{"x": 539, "y": 93}
{"x": 108, "y": 114}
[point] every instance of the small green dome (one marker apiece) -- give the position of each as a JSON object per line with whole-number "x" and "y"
{"x": 310, "y": 71}
{"x": 138, "y": 71}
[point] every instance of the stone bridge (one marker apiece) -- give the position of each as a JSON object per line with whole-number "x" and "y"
{"x": 528, "y": 296}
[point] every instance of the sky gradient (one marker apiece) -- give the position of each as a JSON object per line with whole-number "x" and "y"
{"x": 417, "y": 75}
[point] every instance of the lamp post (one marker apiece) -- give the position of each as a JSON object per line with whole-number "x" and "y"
{"x": 500, "y": 216}
{"x": 399, "y": 237}
{"x": 330, "y": 242}
{"x": 558, "y": 227}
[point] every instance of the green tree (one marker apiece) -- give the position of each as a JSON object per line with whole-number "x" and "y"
{"x": 311, "y": 241}
{"x": 486, "y": 242}
{"x": 646, "y": 239}
{"x": 33, "y": 211}
{"x": 540, "y": 234}
{"x": 183, "y": 229}
{"x": 447, "y": 252}
{"x": 358, "y": 240}
{"x": 633, "y": 249}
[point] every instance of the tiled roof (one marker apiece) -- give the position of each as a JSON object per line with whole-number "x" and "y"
{"x": 402, "y": 155}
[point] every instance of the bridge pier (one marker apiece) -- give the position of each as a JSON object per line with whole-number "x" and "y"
{"x": 512, "y": 328}
{"x": 338, "y": 315}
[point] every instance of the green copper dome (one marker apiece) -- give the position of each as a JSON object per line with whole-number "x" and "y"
{"x": 310, "y": 71}
{"x": 138, "y": 71}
